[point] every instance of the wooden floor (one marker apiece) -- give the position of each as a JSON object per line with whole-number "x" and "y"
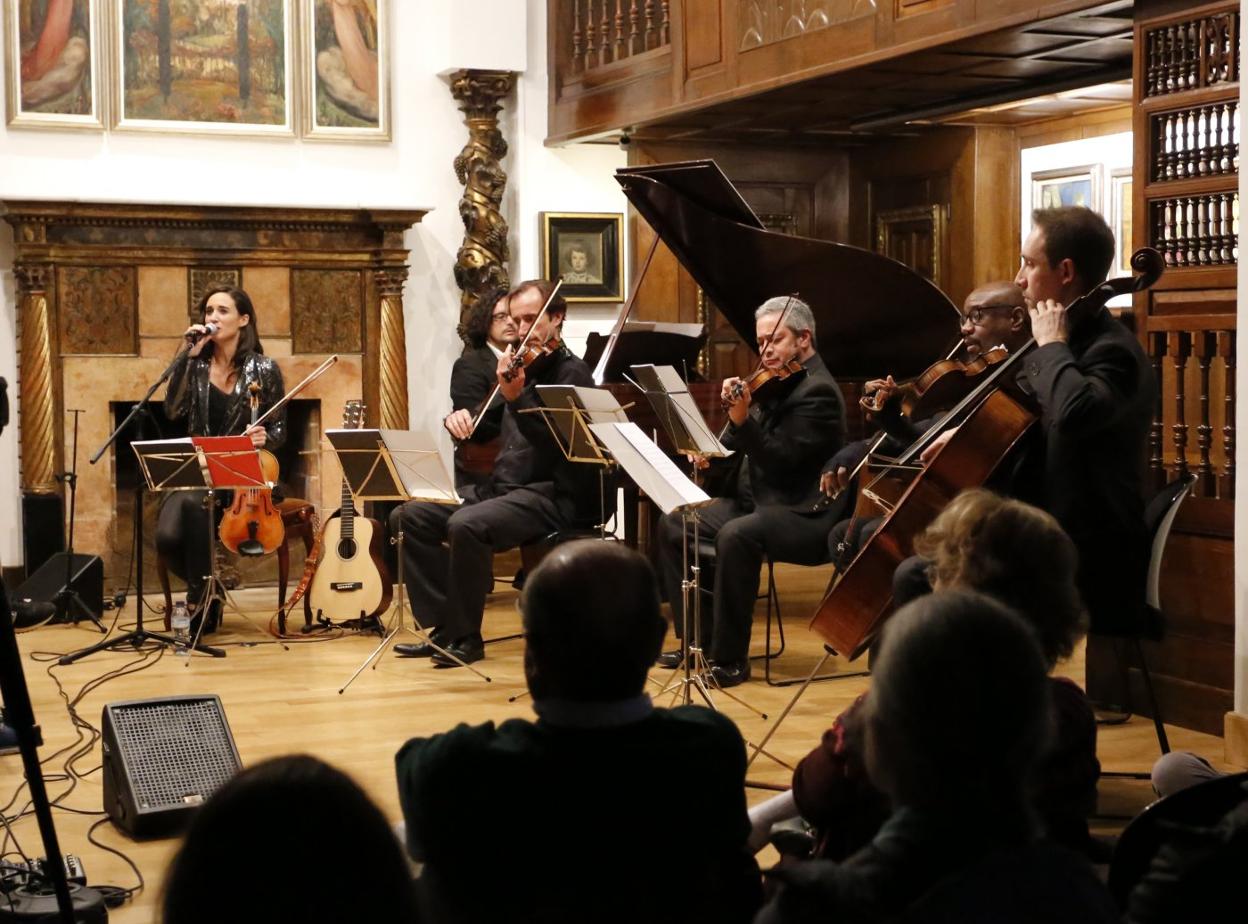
{"x": 282, "y": 701}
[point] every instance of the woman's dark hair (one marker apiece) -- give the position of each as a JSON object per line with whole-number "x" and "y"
{"x": 249, "y": 336}
{"x": 336, "y": 856}
{"x": 481, "y": 316}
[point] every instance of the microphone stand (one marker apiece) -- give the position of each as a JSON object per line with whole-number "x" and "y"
{"x": 26, "y": 903}
{"x": 67, "y": 598}
{"x": 139, "y": 635}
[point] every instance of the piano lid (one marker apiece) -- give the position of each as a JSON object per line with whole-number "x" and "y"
{"x": 874, "y": 315}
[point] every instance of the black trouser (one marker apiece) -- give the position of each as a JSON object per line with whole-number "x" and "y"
{"x": 743, "y": 537}
{"x": 448, "y": 551}
{"x": 182, "y": 539}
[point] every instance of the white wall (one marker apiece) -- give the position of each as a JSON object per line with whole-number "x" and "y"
{"x": 413, "y": 171}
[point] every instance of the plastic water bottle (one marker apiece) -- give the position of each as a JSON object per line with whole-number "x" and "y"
{"x": 180, "y": 622}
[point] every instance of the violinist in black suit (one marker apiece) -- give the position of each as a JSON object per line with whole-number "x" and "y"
{"x": 490, "y": 329}
{"x": 780, "y": 445}
{"x": 532, "y": 491}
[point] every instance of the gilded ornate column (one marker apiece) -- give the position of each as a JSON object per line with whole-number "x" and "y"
{"x": 480, "y": 263}
{"x": 392, "y": 362}
{"x": 36, "y": 391}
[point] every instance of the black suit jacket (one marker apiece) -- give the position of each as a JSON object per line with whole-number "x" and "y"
{"x": 472, "y": 379}
{"x": 1096, "y": 395}
{"x": 786, "y": 442}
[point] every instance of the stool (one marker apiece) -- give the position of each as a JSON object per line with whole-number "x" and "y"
{"x": 296, "y": 517}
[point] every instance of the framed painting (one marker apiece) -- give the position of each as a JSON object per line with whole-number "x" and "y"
{"x": 203, "y": 66}
{"x": 1120, "y": 190}
{"x": 53, "y": 69}
{"x": 345, "y": 70}
{"x": 586, "y": 249}
{"x": 1052, "y": 189}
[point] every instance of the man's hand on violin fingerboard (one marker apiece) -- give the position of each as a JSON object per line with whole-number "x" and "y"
{"x": 510, "y": 389}
{"x": 736, "y": 398}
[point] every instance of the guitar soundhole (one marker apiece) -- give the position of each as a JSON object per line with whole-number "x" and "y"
{"x": 346, "y": 548}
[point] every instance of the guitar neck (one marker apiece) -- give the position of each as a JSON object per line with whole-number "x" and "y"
{"x": 347, "y": 511}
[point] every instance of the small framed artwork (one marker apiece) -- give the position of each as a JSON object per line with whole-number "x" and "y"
{"x": 345, "y": 70}
{"x": 203, "y": 66}
{"x": 587, "y": 250}
{"x": 1052, "y": 189}
{"x": 53, "y": 64}
{"x": 1120, "y": 189}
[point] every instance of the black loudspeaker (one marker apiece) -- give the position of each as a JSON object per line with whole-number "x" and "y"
{"x": 43, "y": 528}
{"x": 32, "y": 602}
{"x": 162, "y": 759}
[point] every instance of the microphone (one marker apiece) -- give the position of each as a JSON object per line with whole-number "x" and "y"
{"x": 192, "y": 337}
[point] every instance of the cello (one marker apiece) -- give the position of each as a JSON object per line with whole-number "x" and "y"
{"x": 990, "y": 423}
{"x": 253, "y": 525}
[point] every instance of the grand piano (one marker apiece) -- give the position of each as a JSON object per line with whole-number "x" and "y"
{"x": 873, "y": 315}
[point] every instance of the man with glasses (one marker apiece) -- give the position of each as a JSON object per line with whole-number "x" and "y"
{"x": 490, "y": 329}
{"x": 993, "y": 315}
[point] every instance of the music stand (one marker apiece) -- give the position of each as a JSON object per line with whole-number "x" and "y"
{"x": 167, "y": 465}
{"x": 401, "y": 465}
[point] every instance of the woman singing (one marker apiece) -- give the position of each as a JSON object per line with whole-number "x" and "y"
{"x": 210, "y": 387}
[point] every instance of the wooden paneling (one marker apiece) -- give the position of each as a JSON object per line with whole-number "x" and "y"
{"x": 812, "y": 61}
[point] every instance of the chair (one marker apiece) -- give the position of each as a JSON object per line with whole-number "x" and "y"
{"x": 1159, "y": 517}
{"x": 1202, "y": 805}
{"x": 297, "y": 517}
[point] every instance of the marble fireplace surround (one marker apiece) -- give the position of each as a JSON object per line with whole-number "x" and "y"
{"x": 106, "y": 290}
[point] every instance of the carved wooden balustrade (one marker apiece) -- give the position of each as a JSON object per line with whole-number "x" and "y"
{"x": 606, "y": 31}
{"x": 1194, "y": 427}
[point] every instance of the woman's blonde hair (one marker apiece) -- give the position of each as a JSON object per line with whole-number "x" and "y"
{"x": 1014, "y": 552}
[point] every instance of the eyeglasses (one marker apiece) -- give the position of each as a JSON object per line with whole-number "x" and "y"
{"x": 979, "y": 315}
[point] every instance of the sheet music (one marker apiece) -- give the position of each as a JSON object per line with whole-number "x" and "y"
{"x": 649, "y": 467}
{"x": 410, "y": 468}
{"x": 687, "y": 428}
{"x": 170, "y": 465}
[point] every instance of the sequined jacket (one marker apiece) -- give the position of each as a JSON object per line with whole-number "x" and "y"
{"x": 187, "y": 396}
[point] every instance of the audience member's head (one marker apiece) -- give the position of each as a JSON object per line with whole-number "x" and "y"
{"x": 290, "y": 839}
{"x": 591, "y": 622}
{"x": 958, "y": 710}
{"x": 1013, "y": 552}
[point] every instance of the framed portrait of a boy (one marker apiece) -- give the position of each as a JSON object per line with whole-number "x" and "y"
{"x": 586, "y": 249}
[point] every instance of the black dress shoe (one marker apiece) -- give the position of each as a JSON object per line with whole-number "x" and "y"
{"x": 730, "y": 674}
{"x": 669, "y": 660}
{"x": 421, "y": 649}
{"x": 468, "y": 649}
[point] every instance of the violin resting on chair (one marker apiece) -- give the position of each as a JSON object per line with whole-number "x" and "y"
{"x": 351, "y": 579}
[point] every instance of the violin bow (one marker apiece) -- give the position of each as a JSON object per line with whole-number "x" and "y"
{"x": 519, "y": 350}
{"x": 312, "y": 377}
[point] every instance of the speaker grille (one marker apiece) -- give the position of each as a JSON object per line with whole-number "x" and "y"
{"x": 178, "y": 752}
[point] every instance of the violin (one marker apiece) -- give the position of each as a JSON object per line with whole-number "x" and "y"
{"x": 764, "y": 383}
{"x": 939, "y": 385}
{"x": 529, "y": 354}
{"x": 253, "y": 525}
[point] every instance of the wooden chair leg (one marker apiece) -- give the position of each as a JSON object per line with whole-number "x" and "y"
{"x": 283, "y": 572}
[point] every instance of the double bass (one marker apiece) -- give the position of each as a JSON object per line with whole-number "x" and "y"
{"x": 990, "y": 422}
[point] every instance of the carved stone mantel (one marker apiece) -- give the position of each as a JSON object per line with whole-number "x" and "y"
{"x": 481, "y": 261}
{"x": 89, "y": 274}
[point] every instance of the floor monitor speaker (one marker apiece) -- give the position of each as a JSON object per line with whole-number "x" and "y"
{"x": 162, "y": 759}
{"x": 32, "y": 601}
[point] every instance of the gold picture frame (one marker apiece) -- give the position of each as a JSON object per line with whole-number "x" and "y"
{"x": 1120, "y": 192}
{"x": 1067, "y": 186}
{"x": 339, "y": 49}
{"x": 587, "y": 250}
{"x": 55, "y": 70}
{"x": 193, "y": 76}
{"x": 899, "y": 235}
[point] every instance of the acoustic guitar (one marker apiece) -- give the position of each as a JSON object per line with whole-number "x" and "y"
{"x": 351, "y": 580}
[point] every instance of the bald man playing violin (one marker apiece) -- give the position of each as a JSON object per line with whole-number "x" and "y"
{"x": 533, "y": 491}
{"x": 779, "y": 444}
